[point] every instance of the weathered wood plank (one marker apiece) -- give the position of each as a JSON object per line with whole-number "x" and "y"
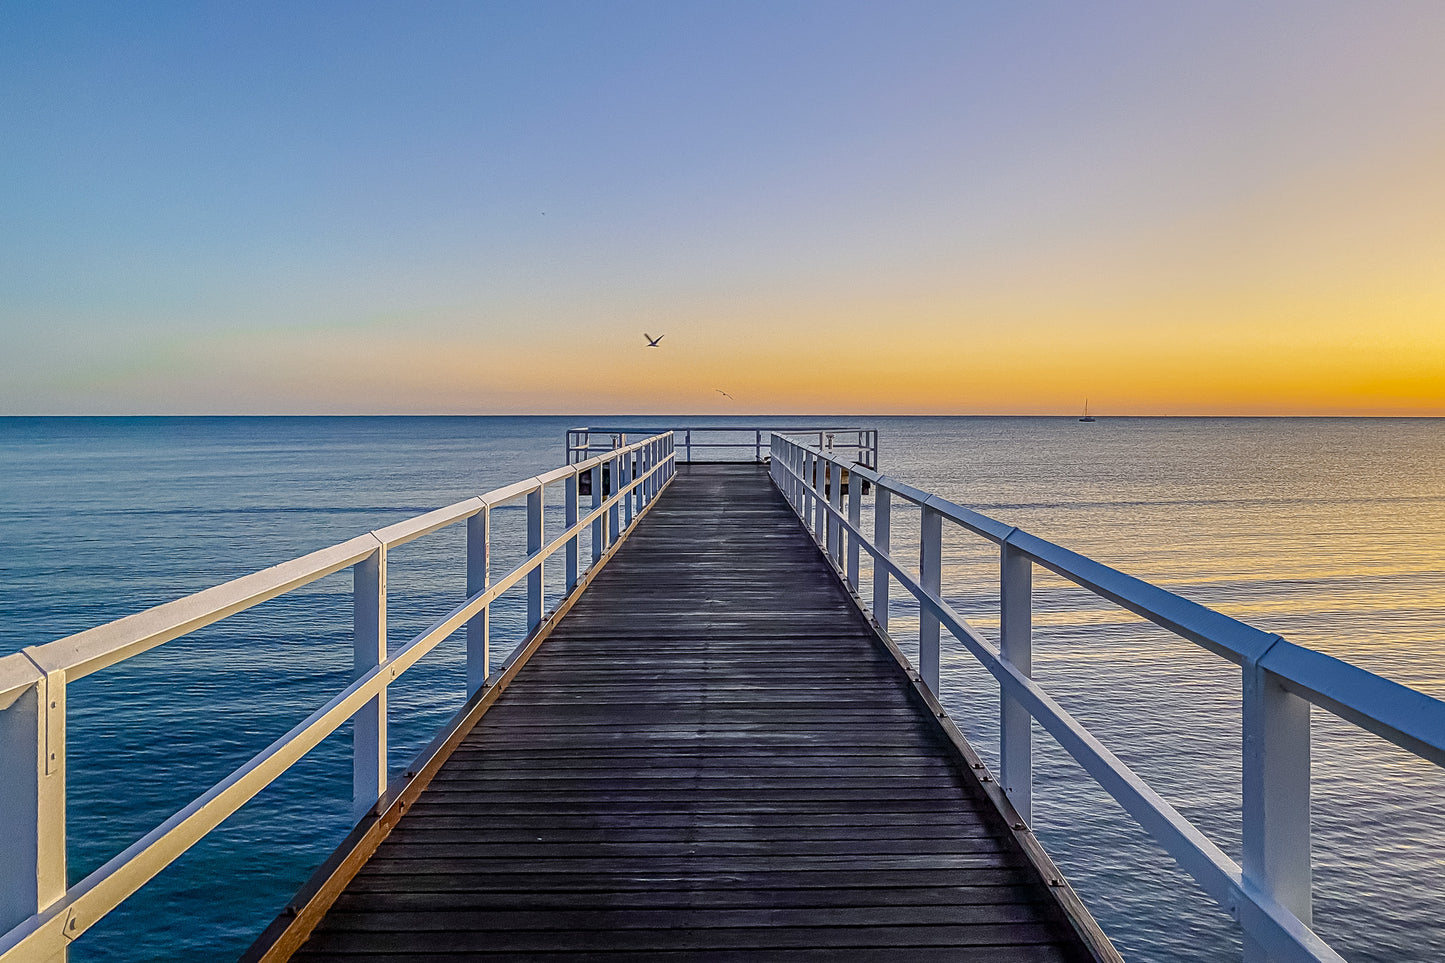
{"x": 395, "y": 878}
{"x": 381, "y": 915}
{"x": 492, "y": 942}
{"x": 797, "y": 898}
{"x": 1033, "y": 953}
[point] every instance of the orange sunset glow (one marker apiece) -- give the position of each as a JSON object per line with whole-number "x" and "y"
{"x": 1183, "y": 211}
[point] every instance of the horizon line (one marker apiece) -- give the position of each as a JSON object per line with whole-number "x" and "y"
{"x": 694, "y": 414}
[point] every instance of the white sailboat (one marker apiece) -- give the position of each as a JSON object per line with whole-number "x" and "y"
{"x": 1087, "y": 416}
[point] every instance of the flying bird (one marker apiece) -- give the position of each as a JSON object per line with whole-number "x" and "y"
{"x": 651, "y": 341}
{"x": 724, "y": 394}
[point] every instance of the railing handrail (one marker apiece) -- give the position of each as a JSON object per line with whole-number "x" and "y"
{"x": 780, "y": 429}
{"x": 65, "y": 912}
{"x": 865, "y": 440}
{"x": 1269, "y": 896}
{"x": 1404, "y": 716}
{"x": 94, "y": 649}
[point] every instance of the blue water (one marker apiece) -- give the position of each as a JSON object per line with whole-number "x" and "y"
{"x": 1331, "y": 532}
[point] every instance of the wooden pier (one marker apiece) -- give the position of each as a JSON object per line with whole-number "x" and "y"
{"x": 712, "y": 755}
{"x": 711, "y": 748}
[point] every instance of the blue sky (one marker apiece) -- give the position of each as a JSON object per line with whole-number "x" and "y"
{"x": 479, "y": 207}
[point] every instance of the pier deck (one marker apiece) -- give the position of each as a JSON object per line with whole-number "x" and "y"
{"x": 713, "y": 755}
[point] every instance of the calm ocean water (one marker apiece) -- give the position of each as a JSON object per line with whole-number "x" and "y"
{"x": 1330, "y": 532}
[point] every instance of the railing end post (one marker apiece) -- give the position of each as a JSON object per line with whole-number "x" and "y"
{"x": 32, "y": 798}
{"x": 479, "y": 577}
{"x": 930, "y": 570}
{"x": 1276, "y": 795}
{"x": 1016, "y": 648}
{"x": 369, "y": 736}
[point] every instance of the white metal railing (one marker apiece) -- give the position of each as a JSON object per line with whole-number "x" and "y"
{"x": 1269, "y": 894}
{"x": 43, "y": 915}
{"x": 861, "y": 442}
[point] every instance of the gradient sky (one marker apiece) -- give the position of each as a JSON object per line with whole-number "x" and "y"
{"x": 957, "y": 207}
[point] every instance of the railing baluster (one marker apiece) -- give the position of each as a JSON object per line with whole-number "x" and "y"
{"x": 614, "y": 513}
{"x": 820, "y": 531}
{"x": 882, "y": 535}
{"x": 369, "y": 764}
{"x": 534, "y": 545}
{"x": 930, "y": 577}
{"x": 855, "y": 518}
{"x": 32, "y": 801}
{"x": 622, "y": 484}
{"x": 570, "y": 517}
{"x": 801, "y": 485}
{"x": 479, "y": 576}
{"x": 599, "y": 521}
{"x": 805, "y": 506}
{"x": 835, "y": 499}
{"x": 1276, "y": 796}
{"x": 800, "y": 501}
{"x": 1016, "y": 646}
{"x": 654, "y": 458}
{"x": 643, "y": 456}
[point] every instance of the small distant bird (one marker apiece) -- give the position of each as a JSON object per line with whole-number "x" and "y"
{"x": 651, "y": 341}
{"x": 724, "y": 394}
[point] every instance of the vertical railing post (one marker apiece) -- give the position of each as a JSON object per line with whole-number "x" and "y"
{"x": 570, "y": 517}
{"x": 614, "y": 513}
{"x": 804, "y": 506}
{"x": 369, "y": 766}
{"x": 882, "y": 536}
{"x": 1016, "y": 646}
{"x": 643, "y": 454}
{"x": 687, "y": 445}
{"x": 795, "y": 486}
{"x": 600, "y": 522}
{"x": 534, "y": 545}
{"x": 1276, "y": 796}
{"x": 32, "y": 798}
{"x": 785, "y": 476}
{"x": 479, "y": 577}
{"x": 649, "y": 459}
{"x": 627, "y": 479}
{"x": 820, "y": 520}
{"x": 799, "y": 501}
{"x": 930, "y": 576}
{"x": 758, "y": 447}
{"x": 835, "y": 499}
{"x": 855, "y": 518}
